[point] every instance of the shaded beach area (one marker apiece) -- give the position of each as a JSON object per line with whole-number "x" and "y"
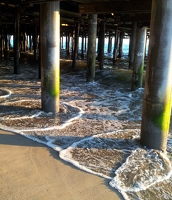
{"x": 30, "y": 170}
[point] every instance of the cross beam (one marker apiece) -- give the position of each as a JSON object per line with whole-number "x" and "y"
{"x": 142, "y": 6}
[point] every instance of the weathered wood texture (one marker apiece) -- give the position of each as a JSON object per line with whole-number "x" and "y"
{"x": 116, "y": 7}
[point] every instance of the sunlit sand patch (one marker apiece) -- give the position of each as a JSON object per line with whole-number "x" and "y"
{"x": 102, "y": 154}
{"x": 142, "y": 169}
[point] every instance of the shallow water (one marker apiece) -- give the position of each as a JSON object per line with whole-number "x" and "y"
{"x": 97, "y": 128}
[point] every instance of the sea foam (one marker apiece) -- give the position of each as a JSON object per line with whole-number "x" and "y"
{"x": 142, "y": 169}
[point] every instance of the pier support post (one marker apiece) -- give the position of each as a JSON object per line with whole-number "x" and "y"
{"x": 50, "y": 56}
{"x": 16, "y": 42}
{"x": 139, "y": 55}
{"x": 146, "y": 47}
{"x": 109, "y": 43}
{"x": 62, "y": 41}
{"x": 158, "y": 89}
{"x": 121, "y": 44}
{"x": 66, "y": 40}
{"x": 24, "y": 41}
{"x": 68, "y": 44}
{"x": 35, "y": 46}
{"x": 21, "y": 42}
{"x": 30, "y": 41}
{"x": 85, "y": 41}
{"x": 75, "y": 50}
{"x": 6, "y": 49}
{"x": 3, "y": 40}
{"x": 91, "y": 55}
{"x": 102, "y": 43}
{"x": 132, "y": 45}
{"x": 82, "y": 45}
{"x": 0, "y": 41}
{"x": 115, "y": 51}
{"x": 39, "y": 48}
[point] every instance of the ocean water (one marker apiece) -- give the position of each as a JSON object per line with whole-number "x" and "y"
{"x": 97, "y": 129}
{"x": 125, "y": 47}
{"x": 125, "y": 44}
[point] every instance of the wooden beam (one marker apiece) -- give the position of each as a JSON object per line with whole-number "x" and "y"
{"x": 142, "y": 6}
{"x": 67, "y": 20}
{"x": 69, "y": 13}
{"x": 143, "y": 17}
{"x": 37, "y": 1}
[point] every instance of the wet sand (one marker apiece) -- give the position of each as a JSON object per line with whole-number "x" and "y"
{"x": 30, "y": 170}
{"x": 97, "y": 130}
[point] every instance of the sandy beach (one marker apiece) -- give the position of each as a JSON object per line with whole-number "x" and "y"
{"x": 89, "y": 150}
{"x": 30, "y": 170}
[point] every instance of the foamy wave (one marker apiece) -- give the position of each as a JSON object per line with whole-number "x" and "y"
{"x": 86, "y": 154}
{"x": 62, "y": 126}
{"x": 142, "y": 169}
{"x": 67, "y": 156}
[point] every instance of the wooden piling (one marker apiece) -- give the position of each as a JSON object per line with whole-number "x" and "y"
{"x": 50, "y": 56}
{"x": 158, "y": 88}
{"x": 139, "y": 55}
{"x": 16, "y": 42}
{"x": 91, "y": 55}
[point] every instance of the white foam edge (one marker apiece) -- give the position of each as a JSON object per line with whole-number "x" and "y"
{"x": 67, "y": 123}
{"x": 24, "y": 117}
{"x": 7, "y": 95}
{"x": 65, "y": 153}
{"x": 9, "y": 102}
{"x": 48, "y": 143}
{"x": 62, "y": 126}
{"x": 62, "y": 152}
{"x": 114, "y": 183}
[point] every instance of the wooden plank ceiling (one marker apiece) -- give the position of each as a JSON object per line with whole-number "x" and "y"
{"x": 114, "y": 12}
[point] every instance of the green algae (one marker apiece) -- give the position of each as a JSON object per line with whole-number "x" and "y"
{"x": 163, "y": 119}
{"x": 140, "y": 75}
{"x": 51, "y": 83}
